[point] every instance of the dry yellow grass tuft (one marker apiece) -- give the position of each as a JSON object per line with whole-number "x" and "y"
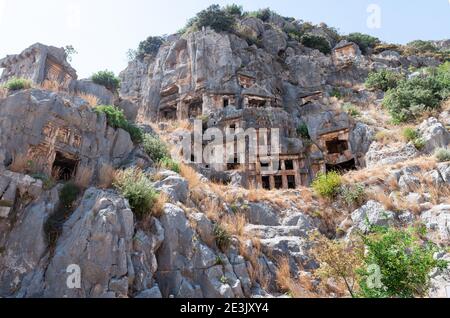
{"x": 190, "y": 175}
{"x": 90, "y": 99}
{"x": 158, "y": 206}
{"x": 83, "y": 176}
{"x": 20, "y": 163}
{"x": 52, "y": 86}
{"x": 106, "y": 176}
{"x": 297, "y": 288}
{"x": 3, "y": 92}
{"x": 234, "y": 224}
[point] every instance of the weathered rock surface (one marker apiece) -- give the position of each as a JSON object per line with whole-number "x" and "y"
{"x": 371, "y": 214}
{"x": 434, "y": 134}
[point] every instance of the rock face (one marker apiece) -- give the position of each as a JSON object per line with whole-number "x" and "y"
{"x": 51, "y": 132}
{"x": 371, "y": 214}
{"x": 39, "y": 63}
{"x": 99, "y": 239}
{"x": 188, "y": 268}
{"x": 434, "y": 134}
{"x": 379, "y": 154}
{"x": 279, "y": 85}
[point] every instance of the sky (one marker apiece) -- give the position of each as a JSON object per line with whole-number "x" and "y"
{"x": 102, "y": 31}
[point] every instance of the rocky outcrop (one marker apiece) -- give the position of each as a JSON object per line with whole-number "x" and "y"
{"x": 49, "y": 130}
{"x": 434, "y": 134}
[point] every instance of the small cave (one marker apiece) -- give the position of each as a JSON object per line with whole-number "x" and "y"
{"x": 342, "y": 167}
{"x": 337, "y": 146}
{"x": 257, "y": 103}
{"x": 169, "y": 114}
{"x": 289, "y": 164}
{"x": 195, "y": 108}
{"x": 278, "y": 182}
{"x": 266, "y": 182}
{"x": 64, "y": 168}
{"x": 291, "y": 182}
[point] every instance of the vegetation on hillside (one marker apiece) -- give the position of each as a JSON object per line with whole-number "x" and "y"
{"x": 107, "y": 79}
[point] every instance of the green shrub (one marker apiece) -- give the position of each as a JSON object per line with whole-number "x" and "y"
{"x": 222, "y": 237}
{"x": 412, "y": 97}
{"x": 150, "y": 46}
{"x": 327, "y": 185}
{"x": 419, "y": 143}
{"x": 364, "y": 41}
{"x": 316, "y": 42}
{"x": 116, "y": 119}
{"x": 215, "y": 17}
{"x": 135, "y": 132}
{"x": 137, "y": 188}
{"x": 420, "y": 47}
{"x": 335, "y": 92}
{"x": 405, "y": 263}
{"x": 170, "y": 164}
{"x": 17, "y": 84}
{"x": 155, "y": 148}
{"x": 234, "y": 10}
{"x": 47, "y": 182}
{"x": 106, "y": 79}
{"x": 303, "y": 131}
{"x": 351, "y": 110}
{"x": 54, "y": 224}
{"x": 442, "y": 154}
{"x": 410, "y": 134}
{"x": 262, "y": 14}
{"x": 353, "y": 195}
{"x": 68, "y": 194}
{"x": 383, "y": 80}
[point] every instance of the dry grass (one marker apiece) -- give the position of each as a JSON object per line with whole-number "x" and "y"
{"x": 106, "y": 176}
{"x": 190, "y": 175}
{"x": 3, "y": 92}
{"x": 235, "y": 224}
{"x": 382, "y": 171}
{"x": 52, "y": 86}
{"x": 83, "y": 176}
{"x": 383, "y": 198}
{"x": 90, "y": 99}
{"x": 297, "y": 288}
{"x": 158, "y": 206}
{"x": 20, "y": 163}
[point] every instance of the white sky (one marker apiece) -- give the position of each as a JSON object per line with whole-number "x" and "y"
{"x": 103, "y": 30}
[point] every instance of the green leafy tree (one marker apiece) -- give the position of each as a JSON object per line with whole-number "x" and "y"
{"x": 402, "y": 263}
{"x": 316, "y": 42}
{"x": 108, "y": 79}
{"x": 364, "y": 41}
{"x": 383, "y": 80}
{"x": 216, "y": 18}
{"x": 150, "y": 46}
{"x": 70, "y": 52}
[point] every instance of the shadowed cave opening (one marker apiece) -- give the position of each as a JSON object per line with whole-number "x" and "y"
{"x": 64, "y": 168}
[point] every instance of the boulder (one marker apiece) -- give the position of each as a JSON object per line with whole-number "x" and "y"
{"x": 262, "y": 214}
{"x": 437, "y": 221}
{"x": 440, "y": 280}
{"x": 434, "y": 134}
{"x": 372, "y": 213}
{"x": 274, "y": 41}
{"x": 98, "y": 238}
{"x": 176, "y": 187}
{"x": 153, "y": 292}
{"x": 379, "y": 154}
